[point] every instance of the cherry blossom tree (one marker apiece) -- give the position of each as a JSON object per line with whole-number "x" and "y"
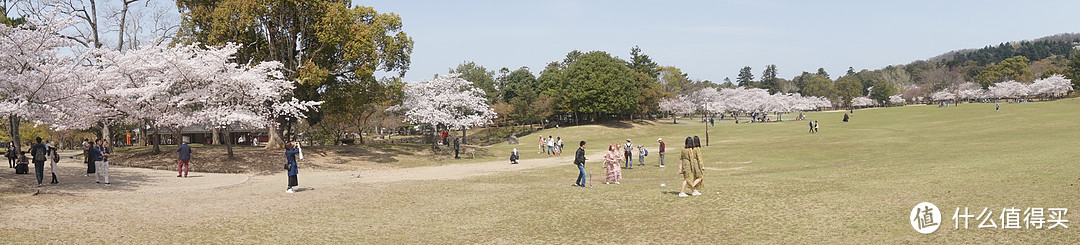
{"x": 745, "y": 100}
{"x": 896, "y": 99}
{"x": 679, "y": 105}
{"x": 1009, "y": 90}
{"x": 37, "y": 83}
{"x": 970, "y": 91}
{"x": 446, "y": 100}
{"x": 1051, "y": 86}
{"x": 862, "y": 102}
{"x": 163, "y": 86}
{"x": 942, "y": 95}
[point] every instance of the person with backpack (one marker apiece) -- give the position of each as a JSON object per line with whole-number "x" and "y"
{"x": 38, "y": 152}
{"x": 629, "y": 156}
{"x": 642, "y": 152}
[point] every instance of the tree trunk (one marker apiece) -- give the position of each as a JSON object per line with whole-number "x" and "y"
{"x": 463, "y": 136}
{"x": 228, "y": 141}
{"x": 217, "y": 136}
{"x": 105, "y": 134}
{"x": 157, "y": 139}
{"x": 275, "y": 142}
{"x": 13, "y": 131}
{"x": 177, "y": 135}
{"x": 434, "y": 140}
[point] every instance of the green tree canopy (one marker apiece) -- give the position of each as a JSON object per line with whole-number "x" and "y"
{"x": 481, "y": 78}
{"x": 593, "y": 82}
{"x": 745, "y": 78}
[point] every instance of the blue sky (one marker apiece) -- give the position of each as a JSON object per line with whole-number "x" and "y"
{"x": 711, "y": 40}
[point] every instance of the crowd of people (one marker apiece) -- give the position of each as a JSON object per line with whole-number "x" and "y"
{"x": 550, "y": 146}
{"x": 619, "y": 157}
{"x": 41, "y": 152}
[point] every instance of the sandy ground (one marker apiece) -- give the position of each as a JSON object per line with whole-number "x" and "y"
{"x": 157, "y": 199}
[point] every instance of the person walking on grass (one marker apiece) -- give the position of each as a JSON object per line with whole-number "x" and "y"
{"x": 579, "y": 160}
{"x": 811, "y": 124}
{"x": 101, "y": 161}
{"x": 550, "y": 146}
{"x": 52, "y": 164}
{"x": 997, "y": 106}
{"x": 686, "y": 158}
{"x": 642, "y": 152}
{"x": 698, "y": 168}
{"x": 291, "y": 152}
{"x": 558, "y": 146}
{"x": 39, "y": 152}
{"x": 541, "y": 151}
{"x": 661, "y": 140}
{"x": 611, "y": 164}
{"x": 182, "y": 165}
{"x": 629, "y": 155}
{"x": 815, "y": 126}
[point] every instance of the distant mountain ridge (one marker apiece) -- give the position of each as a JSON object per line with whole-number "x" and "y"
{"x": 1036, "y": 49}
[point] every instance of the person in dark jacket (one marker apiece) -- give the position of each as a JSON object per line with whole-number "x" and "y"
{"x": 457, "y": 147}
{"x": 182, "y": 166}
{"x": 290, "y": 155}
{"x": 11, "y": 154}
{"x": 101, "y": 160}
{"x": 87, "y": 158}
{"x": 38, "y": 153}
{"x": 579, "y": 160}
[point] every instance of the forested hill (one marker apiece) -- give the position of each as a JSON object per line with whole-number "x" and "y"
{"x": 1038, "y": 49}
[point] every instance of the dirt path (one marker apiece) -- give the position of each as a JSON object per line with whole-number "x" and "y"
{"x": 140, "y": 180}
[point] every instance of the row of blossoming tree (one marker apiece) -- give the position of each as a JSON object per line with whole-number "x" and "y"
{"x": 1050, "y": 87}
{"x": 741, "y": 100}
{"x": 1054, "y": 86}
{"x": 43, "y": 81}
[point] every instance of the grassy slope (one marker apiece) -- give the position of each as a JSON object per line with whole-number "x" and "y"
{"x": 854, "y": 182}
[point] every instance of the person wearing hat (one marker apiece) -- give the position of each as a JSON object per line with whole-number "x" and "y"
{"x": 642, "y": 152}
{"x": 661, "y": 140}
{"x": 628, "y": 151}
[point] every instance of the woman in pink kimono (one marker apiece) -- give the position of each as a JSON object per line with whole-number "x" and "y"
{"x": 612, "y": 160}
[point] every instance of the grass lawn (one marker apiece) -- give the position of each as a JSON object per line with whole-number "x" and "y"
{"x": 852, "y": 183}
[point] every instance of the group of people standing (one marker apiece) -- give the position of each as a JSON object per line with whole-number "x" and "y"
{"x": 96, "y": 158}
{"x": 619, "y": 154}
{"x": 550, "y": 146}
{"x": 690, "y": 167}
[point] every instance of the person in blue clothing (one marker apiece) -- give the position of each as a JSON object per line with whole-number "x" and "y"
{"x": 292, "y": 149}
{"x": 100, "y": 154}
